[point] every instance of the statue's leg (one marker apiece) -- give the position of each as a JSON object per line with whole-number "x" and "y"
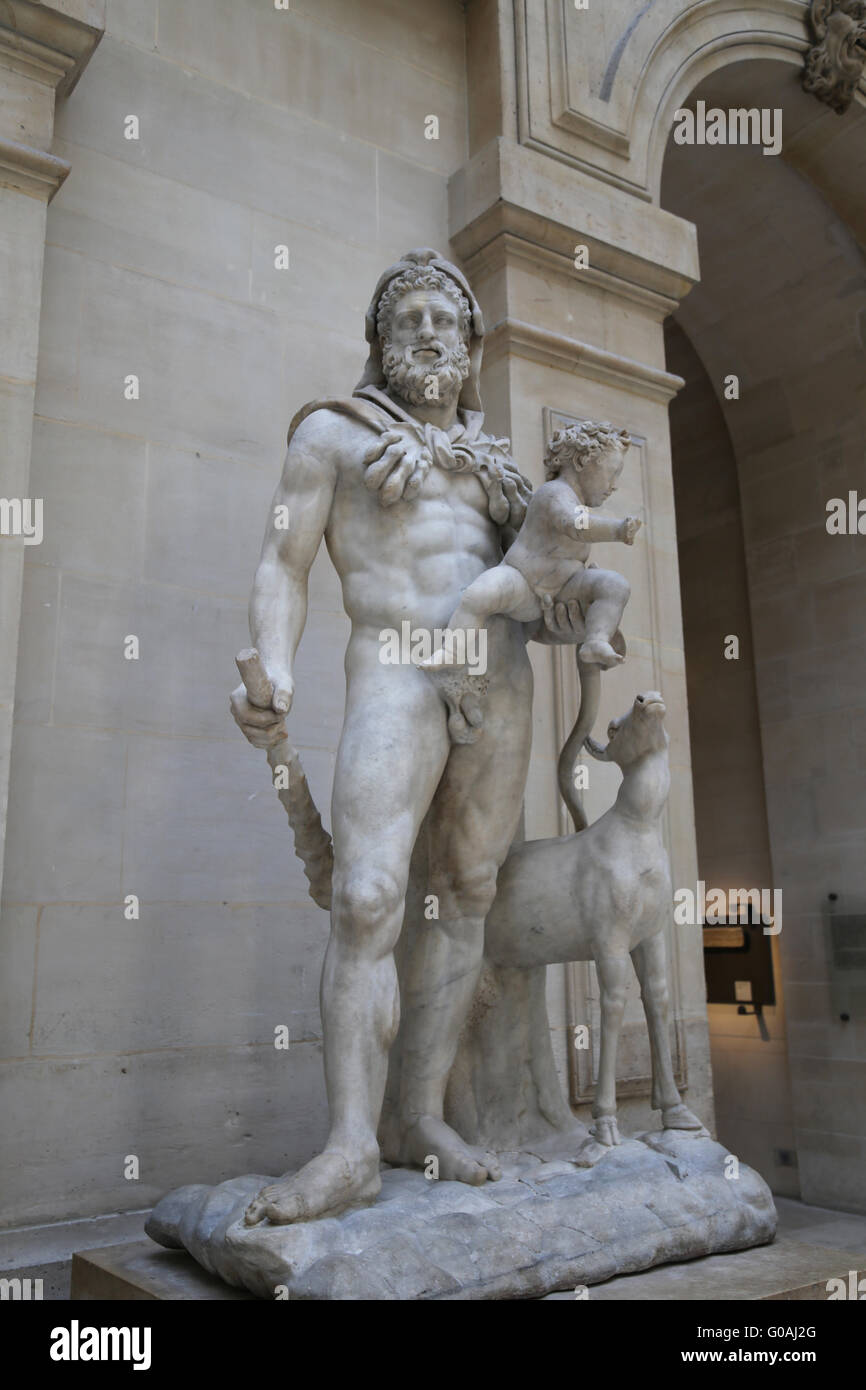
{"x": 502, "y": 589}
{"x": 613, "y": 974}
{"x": 473, "y": 820}
{"x": 499, "y": 590}
{"x": 392, "y": 751}
{"x": 650, "y": 963}
{"x": 603, "y": 597}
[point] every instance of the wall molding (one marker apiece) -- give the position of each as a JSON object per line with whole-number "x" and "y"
{"x": 507, "y": 189}
{"x": 47, "y": 45}
{"x": 34, "y": 59}
{"x": 507, "y": 249}
{"x": 517, "y": 338}
{"x": 31, "y": 171}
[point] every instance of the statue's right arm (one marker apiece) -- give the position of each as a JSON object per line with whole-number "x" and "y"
{"x": 278, "y": 603}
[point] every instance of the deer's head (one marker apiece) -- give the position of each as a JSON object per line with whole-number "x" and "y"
{"x": 638, "y": 732}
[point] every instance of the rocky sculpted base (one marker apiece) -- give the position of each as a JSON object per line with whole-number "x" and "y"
{"x": 546, "y": 1226}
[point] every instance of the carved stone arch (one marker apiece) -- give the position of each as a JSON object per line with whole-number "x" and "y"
{"x": 699, "y": 42}
{"x": 598, "y": 90}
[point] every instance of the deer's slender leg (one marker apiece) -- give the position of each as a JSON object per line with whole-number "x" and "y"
{"x": 651, "y": 968}
{"x": 613, "y": 974}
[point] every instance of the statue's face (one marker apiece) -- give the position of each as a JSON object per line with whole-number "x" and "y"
{"x": 599, "y": 477}
{"x": 425, "y": 344}
{"x": 424, "y": 322}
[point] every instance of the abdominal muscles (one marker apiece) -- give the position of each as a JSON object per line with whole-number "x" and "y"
{"x": 413, "y": 560}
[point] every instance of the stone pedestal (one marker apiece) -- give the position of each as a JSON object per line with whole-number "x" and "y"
{"x": 788, "y": 1270}
{"x": 139, "y": 1272}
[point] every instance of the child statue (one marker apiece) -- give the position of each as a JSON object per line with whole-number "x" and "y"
{"x": 547, "y": 563}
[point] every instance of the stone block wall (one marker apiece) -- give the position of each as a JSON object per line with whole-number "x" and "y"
{"x": 257, "y": 128}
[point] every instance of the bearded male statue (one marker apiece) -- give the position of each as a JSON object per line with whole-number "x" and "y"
{"x": 414, "y": 501}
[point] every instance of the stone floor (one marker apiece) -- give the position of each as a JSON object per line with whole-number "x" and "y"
{"x": 45, "y": 1252}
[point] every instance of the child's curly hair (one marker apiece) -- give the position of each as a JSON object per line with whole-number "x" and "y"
{"x": 580, "y": 443}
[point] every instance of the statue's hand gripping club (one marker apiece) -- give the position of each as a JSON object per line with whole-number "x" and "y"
{"x": 312, "y": 842}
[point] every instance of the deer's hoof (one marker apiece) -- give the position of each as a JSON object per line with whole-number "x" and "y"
{"x": 606, "y": 1131}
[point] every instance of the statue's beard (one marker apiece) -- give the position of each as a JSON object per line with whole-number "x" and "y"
{"x": 411, "y": 380}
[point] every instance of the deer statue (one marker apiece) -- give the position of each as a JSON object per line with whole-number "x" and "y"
{"x": 604, "y": 894}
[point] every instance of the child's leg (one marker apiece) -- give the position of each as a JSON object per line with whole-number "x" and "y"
{"x": 502, "y": 590}
{"x": 604, "y": 595}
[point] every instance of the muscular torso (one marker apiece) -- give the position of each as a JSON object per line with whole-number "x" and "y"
{"x": 412, "y": 560}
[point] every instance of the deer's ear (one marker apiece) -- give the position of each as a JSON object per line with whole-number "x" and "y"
{"x": 595, "y": 749}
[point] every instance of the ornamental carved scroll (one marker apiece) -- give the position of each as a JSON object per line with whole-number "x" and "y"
{"x": 834, "y": 64}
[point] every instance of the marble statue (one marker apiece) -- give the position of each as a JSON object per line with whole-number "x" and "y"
{"x": 408, "y": 528}
{"x": 455, "y": 1167}
{"x": 604, "y": 895}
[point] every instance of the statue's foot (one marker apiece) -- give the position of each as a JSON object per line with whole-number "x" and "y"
{"x": 430, "y": 1138}
{"x": 323, "y": 1187}
{"x": 681, "y": 1117}
{"x": 606, "y": 1131}
{"x": 597, "y": 652}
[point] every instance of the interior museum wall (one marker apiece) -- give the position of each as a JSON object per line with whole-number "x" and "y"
{"x": 751, "y": 1085}
{"x": 781, "y": 303}
{"x": 155, "y": 1037}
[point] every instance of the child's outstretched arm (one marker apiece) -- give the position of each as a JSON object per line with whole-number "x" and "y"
{"x": 592, "y": 526}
